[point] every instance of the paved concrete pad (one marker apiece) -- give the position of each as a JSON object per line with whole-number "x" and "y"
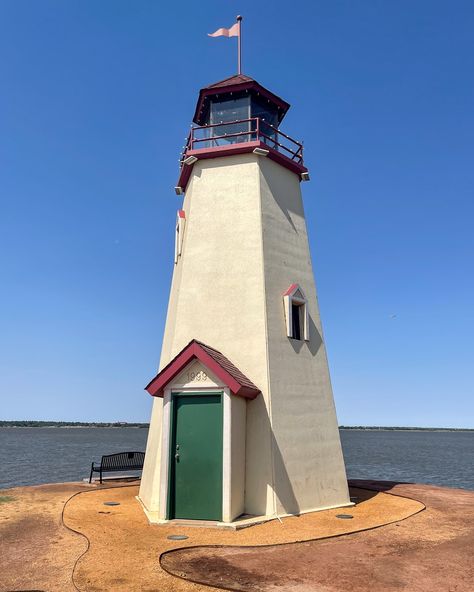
{"x": 38, "y": 553}
{"x": 121, "y": 539}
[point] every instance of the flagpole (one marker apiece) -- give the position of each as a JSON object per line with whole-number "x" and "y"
{"x": 239, "y": 45}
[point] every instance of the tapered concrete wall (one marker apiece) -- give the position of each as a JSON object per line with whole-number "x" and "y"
{"x": 217, "y": 294}
{"x": 307, "y": 454}
{"x": 245, "y": 242}
{"x": 237, "y": 465}
{"x": 149, "y": 492}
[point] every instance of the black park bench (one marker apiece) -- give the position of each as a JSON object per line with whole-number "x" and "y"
{"x": 122, "y": 461}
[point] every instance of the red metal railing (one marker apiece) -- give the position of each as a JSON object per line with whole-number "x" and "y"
{"x": 243, "y": 131}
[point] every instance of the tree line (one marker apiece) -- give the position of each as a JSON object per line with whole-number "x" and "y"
{"x": 125, "y": 424}
{"x": 405, "y": 429}
{"x": 71, "y": 424}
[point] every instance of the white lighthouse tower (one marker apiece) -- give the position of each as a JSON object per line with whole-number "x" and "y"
{"x": 243, "y": 417}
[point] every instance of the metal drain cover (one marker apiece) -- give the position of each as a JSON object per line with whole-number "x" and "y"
{"x": 111, "y": 503}
{"x": 177, "y": 537}
{"x": 344, "y": 516}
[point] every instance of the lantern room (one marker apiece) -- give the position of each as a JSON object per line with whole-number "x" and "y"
{"x": 238, "y": 98}
{"x": 239, "y": 115}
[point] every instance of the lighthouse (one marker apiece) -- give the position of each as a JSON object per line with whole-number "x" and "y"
{"x": 243, "y": 420}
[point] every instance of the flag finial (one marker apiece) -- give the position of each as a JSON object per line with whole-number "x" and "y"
{"x": 234, "y": 31}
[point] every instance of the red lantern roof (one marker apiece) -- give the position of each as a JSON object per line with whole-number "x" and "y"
{"x": 236, "y": 84}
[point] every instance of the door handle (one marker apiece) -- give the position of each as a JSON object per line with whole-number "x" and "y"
{"x": 176, "y": 456}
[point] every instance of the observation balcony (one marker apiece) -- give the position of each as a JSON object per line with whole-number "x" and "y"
{"x": 238, "y": 137}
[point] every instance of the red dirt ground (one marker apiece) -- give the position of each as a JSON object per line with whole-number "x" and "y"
{"x": 429, "y": 552}
{"x": 420, "y": 551}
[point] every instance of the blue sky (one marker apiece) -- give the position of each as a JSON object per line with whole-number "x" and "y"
{"x": 96, "y": 98}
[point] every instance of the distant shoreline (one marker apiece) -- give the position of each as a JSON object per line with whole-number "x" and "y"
{"x": 85, "y": 424}
{"x": 70, "y": 424}
{"x": 402, "y": 429}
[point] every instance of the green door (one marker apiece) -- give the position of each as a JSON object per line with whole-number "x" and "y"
{"x": 196, "y": 457}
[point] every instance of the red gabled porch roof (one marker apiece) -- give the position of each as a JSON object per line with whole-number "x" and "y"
{"x": 217, "y": 363}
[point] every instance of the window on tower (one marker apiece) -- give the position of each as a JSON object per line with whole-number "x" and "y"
{"x": 179, "y": 234}
{"x": 296, "y": 313}
{"x": 296, "y": 321}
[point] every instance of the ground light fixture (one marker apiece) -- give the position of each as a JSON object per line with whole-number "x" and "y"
{"x": 344, "y": 516}
{"x": 111, "y": 503}
{"x": 177, "y": 537}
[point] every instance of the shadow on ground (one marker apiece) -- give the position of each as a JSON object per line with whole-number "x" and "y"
{"x": 411, "y": 554}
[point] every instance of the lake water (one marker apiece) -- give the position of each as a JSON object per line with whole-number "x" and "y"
{"x": 30, "y": 456}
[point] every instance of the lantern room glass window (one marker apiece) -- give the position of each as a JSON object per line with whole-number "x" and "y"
{"x": 226, "y": 110}
{"x": 268, "y": 115}
{"x": 231, "y": 120}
